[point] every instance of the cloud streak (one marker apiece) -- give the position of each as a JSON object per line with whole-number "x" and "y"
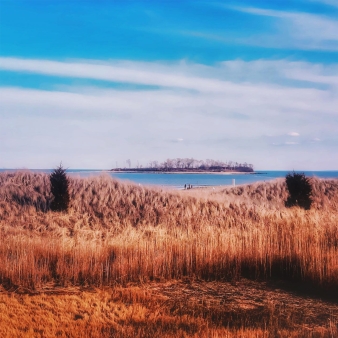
{"x": 333, "y": 3}
{"x": 299, "y": 30}
{"x": 114, "y": 73}
{"x": 218, "y": 78}
{"x": 205, "y": 119}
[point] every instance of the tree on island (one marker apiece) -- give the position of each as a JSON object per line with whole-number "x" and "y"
{"x": 186, "y": 164}
{"x": 59, "y": 188}
{"x": 191, "y": 163}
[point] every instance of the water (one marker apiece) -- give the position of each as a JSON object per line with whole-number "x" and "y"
{"x": 200, "y": 180}
{"x": 196, "y": 180}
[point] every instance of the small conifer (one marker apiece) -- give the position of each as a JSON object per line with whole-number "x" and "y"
{"x": 59, "y": 188}
{"x": 300, "y": 190}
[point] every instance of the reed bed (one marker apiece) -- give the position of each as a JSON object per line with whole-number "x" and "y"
{"x": 117, "y": 233}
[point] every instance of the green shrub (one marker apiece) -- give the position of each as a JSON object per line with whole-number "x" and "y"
{"x": 300, "y": 190}
{"x": 59, "y": 188}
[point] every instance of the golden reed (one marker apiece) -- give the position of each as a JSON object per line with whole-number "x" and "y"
{"x": 117, "y": 232}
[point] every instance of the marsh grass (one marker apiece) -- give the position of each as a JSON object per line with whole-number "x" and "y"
{"x": 131, "y": 261}
{"x": 115, "y": 233}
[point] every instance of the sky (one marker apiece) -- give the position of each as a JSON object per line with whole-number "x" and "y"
{"x": 95, "y": 83}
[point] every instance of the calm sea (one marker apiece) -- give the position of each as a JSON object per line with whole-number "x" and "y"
{"x": 196, "y": 180}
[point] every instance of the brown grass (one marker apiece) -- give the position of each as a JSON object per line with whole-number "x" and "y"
{"x": 116, "y": 233}
{"x": 172, "y": 309}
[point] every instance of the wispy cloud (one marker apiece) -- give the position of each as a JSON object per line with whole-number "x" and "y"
{"x": 293, "y": 133}
{"x": 118, "y": 72}
{"x": 298, "y": 30}
{"x": 333, "y": 3}
{"x": 182, "y": 75}
{"x": 111, "y": 124}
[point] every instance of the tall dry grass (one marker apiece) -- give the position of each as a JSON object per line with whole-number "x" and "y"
{"x": 117, "y": 233}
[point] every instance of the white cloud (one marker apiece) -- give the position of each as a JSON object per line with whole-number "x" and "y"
{"x": 94, "y": 127}
{"x": 328, "y": 2}
{"x": 298, "y": 30}
{"x": 181, "y": 75}
{"x": 116, "y": 72}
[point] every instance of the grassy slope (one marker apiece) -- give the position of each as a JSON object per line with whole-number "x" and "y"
{"x": 168, "y": 309}
{"x": 117, "y": 233}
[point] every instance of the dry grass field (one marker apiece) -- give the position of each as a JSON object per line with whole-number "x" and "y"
{"x": 130, "y": 261}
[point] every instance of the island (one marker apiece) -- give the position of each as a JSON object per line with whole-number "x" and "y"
{"x": 188, "y": 165}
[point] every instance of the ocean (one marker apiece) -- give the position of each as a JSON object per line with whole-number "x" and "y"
{"x": 196, "y": 180}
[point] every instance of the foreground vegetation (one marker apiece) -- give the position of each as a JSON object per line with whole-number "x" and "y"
{"x": 118, "y": 236}
{"x": 166, "y": 309}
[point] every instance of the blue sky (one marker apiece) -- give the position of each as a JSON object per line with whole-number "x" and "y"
{"x": 93, "y": 83}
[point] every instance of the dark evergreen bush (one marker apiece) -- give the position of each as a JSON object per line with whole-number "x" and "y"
{"x": 300, "y": 190}
{"x": 59, "y": 187}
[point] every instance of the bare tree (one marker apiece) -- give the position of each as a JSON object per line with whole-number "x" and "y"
{"x": 191, "y": 163}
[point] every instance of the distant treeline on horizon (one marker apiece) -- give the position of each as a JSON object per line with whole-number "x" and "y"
{"x": 189, "y": 164}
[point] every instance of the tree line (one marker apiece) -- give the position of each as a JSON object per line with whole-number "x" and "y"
{"x": 191, "y": 163}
